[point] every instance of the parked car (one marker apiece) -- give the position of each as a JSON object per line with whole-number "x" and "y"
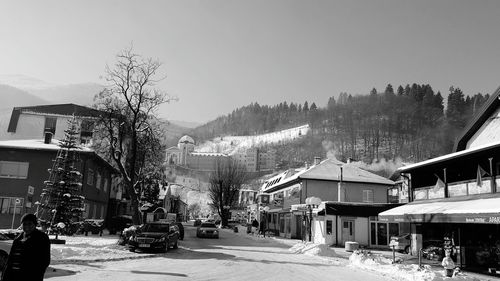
{"x": 401, "y": 242}
{"x": 5, "y": 245}
{"x": 155, "y": 236}
{"x": 207, "y": 229}
{"x": 117, "y": 224}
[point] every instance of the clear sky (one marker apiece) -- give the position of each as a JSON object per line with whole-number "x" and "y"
{"x": 222, "y": 54}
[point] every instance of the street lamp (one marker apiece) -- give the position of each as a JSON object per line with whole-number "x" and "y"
{"x": 311, "y": 202}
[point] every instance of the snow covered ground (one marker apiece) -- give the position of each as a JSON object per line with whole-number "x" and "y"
{"x": 84, "y": 249}
{"x": 90, "y": 248}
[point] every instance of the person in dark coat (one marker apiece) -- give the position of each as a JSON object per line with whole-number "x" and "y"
{"x": 30, "y": 253}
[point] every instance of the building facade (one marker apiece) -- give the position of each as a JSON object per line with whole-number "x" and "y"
{"x": 330, "y": 181}
{"x": 456, "y": 197}
{"x": 253, "y": 159}
{"x": 31, "y": 122}
{"x": 24, "y": 167}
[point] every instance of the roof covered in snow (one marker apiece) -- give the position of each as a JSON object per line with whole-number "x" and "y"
{"x": 333, "y": 170}
{"x": 186, "y": 139}
{"x": 39, "y": 145}
{"x": 478, "y": 209}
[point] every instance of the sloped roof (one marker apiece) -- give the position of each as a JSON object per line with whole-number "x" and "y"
{"x": 330, "y": 169}
{"x": 491, "y": 105}
{"x": 66, "y": 109}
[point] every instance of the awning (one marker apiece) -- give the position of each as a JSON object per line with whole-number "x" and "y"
{"x": 448, "y": 210}
{"x": 353, "y": 209}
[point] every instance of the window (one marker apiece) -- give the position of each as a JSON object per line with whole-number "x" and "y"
{"x": 86, "y": 214}
{"x": 368, "y": 195}
{"x": 15, "y": 170}
{"x": 328, "y": 227}
{"x": 7, "y": 205}
{"x": 94, "y": 213}
{"x": 50, "y": 125}
{"x": 86, "y": 131}
{"x": 102, "y": 212}
{"x": 106, "y": 185}
{"x": 98, "y": 181}
{"x": 90, "y": 177}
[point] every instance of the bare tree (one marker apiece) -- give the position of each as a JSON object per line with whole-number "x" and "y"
{"x": 225, "y": 183}
{"x": 129, "y": 128}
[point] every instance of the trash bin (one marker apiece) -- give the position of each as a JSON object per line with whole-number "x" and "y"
{"x": 351, "y": 246}
{"x": 235, "y": 229}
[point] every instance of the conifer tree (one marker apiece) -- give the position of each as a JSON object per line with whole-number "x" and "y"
{"x": 62, "y": 201}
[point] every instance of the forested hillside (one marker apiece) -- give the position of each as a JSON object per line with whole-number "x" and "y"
{"x": 410, "y": 123}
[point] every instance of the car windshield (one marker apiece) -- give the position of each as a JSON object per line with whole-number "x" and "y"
{"x": 208, "y": 225}
{"x": 155, "y": 228}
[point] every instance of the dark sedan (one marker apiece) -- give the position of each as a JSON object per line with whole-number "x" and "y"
{"x": 207, "y": 229}
{"x": 155, "y": 236}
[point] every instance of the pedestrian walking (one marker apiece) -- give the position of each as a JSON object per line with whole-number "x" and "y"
{"x": 255, "y": 224}
{"x": 30, "y": 253}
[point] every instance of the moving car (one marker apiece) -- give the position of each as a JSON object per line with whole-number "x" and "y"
{"x": 401, "y": 243}
{"x": 5, "y": 245}
{"x": 207, "y": 229}
{"x": 155, "y": 236}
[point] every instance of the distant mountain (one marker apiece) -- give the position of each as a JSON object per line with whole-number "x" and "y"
{"x": 12, "y": 97}
{"x": 82, "y": 94}
{"x": 24, "y": 82}
{"x": 173, "y": 132}
{"x": 185, "y": 124}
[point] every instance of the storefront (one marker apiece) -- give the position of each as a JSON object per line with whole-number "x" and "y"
{"x": 338, "y": 222}
{"x": 470, "y": 225}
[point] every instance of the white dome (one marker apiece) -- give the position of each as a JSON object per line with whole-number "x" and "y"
{"x": 186, "y": 140}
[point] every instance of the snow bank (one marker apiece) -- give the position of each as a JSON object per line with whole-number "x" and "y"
{"x": 88, "y": 248}
{"x": 313, "y": 249}
{"x": 410, "y": 272}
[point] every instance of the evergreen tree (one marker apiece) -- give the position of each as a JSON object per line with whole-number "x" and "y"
{"x": 61, "y": 200}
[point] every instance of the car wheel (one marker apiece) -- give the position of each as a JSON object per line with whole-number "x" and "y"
{"x": 3, "y": 259}
{"x": 176, "y": 245}
{"x": 407, "y": 249}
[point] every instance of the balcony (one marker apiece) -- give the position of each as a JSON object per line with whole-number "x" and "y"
{"x": 455, "y": 189}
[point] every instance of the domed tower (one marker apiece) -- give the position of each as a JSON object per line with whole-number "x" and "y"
{"x": 186, "y": 145}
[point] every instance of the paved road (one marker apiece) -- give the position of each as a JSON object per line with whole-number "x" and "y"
{"x": 232, "y": 257}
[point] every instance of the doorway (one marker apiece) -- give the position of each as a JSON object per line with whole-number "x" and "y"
{"x": 347, "y": 231}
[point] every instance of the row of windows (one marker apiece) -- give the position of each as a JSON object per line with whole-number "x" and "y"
{"x": 91, "y": 211}
{"x": 98, "y": 180}
{"x": 9, "y": 204}
{"x": 14, "y": 170}
{"x": 455, "y": 189}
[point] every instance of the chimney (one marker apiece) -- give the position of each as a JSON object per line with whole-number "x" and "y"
{"x": 317, "y": 160}
{"x": 48, "y": 137}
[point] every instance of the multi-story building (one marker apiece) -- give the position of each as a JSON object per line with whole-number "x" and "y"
{"x": 457, "y": 195}
{"x": 31, "y": 122}
{"x": 24, "y": 167}
{"x": 351, "y": 198}
{"x": 253, "y": 159}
